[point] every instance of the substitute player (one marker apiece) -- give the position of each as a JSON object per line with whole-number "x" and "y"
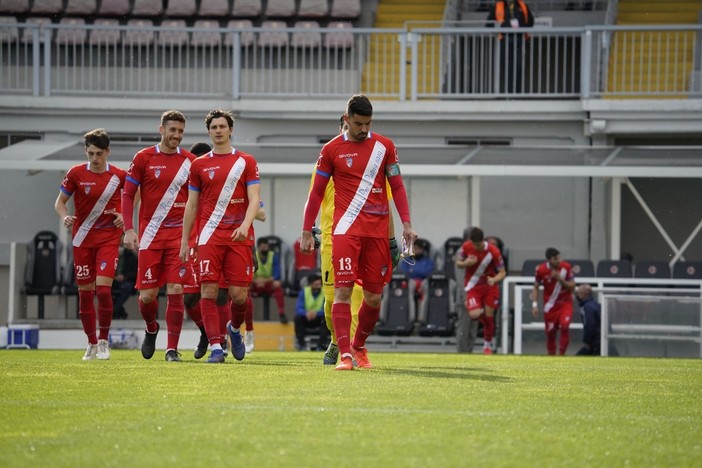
{"x": 96, "y": 229}
{"x": 558, "y": 281}
{"x": 361, "y": 163}
{"x": 484, "y": 269}
{"x": 161, "y": 173}
{"x": 326, "y": 219}
{"x": 224, "y": 191}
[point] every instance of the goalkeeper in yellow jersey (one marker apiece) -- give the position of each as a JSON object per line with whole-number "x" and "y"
{"x": 326, "y": 219}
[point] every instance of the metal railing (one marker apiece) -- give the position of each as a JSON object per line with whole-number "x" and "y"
{"x": 421, "y": 63}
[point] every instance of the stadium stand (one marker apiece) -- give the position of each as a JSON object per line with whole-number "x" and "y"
{"x": 114, "y": 8}
{"x": 81, "y": 7}
{"x": 147, "y": 8}
{"x": 397, "y": 307}
{"x": 339, "y": 35}
{"x": 214, "y": 8}
{"x": 177, "y": 36}
{"x": 47, "y": 7}
{"x": 652, "y": 269}
{"x": 302, "y": 38}
{"x": 313, "y": 8}
{"x": 614, "y": 269}
{"x": 437, "y": 308}
{"x": 8, "y": 32}
{"x": 273, "y": 34}
{"x": 43, "y": 269}
{"x": 687, "y": 270}
{"x": 206, "y": 38}
{"x": 14, "y": 6}
{"x": 346, "y": 9}
{"x": 109, "y": 36}
{"x": 583, "y": 268}
{"x": 71, "y": 35}
{"x": 180, "y": 8}
{"x": 247, "y": 38}
{"x": 246, "y": 8}
{"x": 28, "y": 35}
{"x": 280, "y": 9}
{"x": 139, "y": 37}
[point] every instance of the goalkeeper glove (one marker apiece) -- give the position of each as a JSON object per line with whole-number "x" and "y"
{"x": 394, "y": 252}
{"x": 316, "y": 232}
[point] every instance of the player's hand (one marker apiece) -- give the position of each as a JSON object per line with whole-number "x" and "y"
{"x": 472, "y": 260}
{"x": 315, "y": 233}
{"x": 556, "y": 274}
{"x": 240, "y": 234}
{"x": 394, "y": 252}
{"x": 491, "y": 281}
{"x": 184, "y": 253}
{"x": 535, "y": 312}
{"x": 68, "y": 221}
{"x": 306, "y": 242}
{"x": 119, "y": 220}
{"x": 131, "y": 241}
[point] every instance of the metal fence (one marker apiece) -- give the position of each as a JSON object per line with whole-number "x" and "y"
{"x": 421, "y": 63}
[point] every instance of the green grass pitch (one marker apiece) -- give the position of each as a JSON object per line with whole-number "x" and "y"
{"x": 286, "y": 409}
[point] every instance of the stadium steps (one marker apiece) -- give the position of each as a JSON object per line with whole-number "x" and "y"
{"x": 644, "y": 54}
{"x": 383, "y": 76}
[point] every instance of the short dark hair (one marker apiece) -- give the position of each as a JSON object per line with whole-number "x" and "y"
{"x": 217, "y": 113}
{"x": 172, "y": 115}
{"x": 261, "y": 241}
{"x": 476, "y": 235}
{"x": 341, "y": 121}
{"x": 200, "y": 148}
{"x": 97, "y": 137}
{"x": 359, "y": 104}
{"x": 551, "y": 252}
{"x": 312, "y": 277}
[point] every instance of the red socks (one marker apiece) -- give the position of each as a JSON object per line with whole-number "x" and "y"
{"x": 195, "y": 314}
{"x": 210, "y": 318}
{"x": 367, "y": 318}
{"x": 104, "y": 311}
{"x": 149, "y": 312}
{"x": 238, "y": 314}
{"x": 87, "y": 314}
{"x": 248, "y": 318}
{"x": 341, "y": 316}
{"x": 174, "y": 319}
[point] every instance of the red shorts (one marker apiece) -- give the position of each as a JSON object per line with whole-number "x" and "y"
{"x": 193, "y": 286}
{"x": 559, "y": 316}
{"x": 482, "y": 296}
{"x": 158, "y": 267}
{"x": 91, "y": 262}
{"x": 231, "y": 263}
{"x": 361, "y": 258}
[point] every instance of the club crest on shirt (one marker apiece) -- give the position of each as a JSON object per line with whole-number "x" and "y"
{"x": 384, "y": 270}
{"x": 210, "y": 174}
{"x": 103, "y": 265}
{"x": 157, "y": 173}
{"x": 87, "y": 189}
{"x": 349, "y": 162}
{"x": 181, "y": 272}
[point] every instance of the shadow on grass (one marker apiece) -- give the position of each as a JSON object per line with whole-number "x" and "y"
{"x": 465, "y": 373}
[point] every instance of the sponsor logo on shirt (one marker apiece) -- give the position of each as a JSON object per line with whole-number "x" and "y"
{"x": 234, "y": 201}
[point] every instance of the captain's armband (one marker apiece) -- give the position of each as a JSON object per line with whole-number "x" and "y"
{"x": 392, "y": 170}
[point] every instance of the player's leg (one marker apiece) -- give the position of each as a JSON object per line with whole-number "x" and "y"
{"x": 238, "y": 272}
{"x": 148, "y": 282}
{"x": 106, "y": 258}
{"x": 83, "y": 269}
{"x": 551, "y": 327}
{"x": 564, "y": 319}
{"x": 491, "y": 300}
{"x": 332, "y": 353}
{"x": 177, "y": 274}
{"x": 345, "y": 252}
{"x": 210, "y": 272}
{"x": 248, "y": 323}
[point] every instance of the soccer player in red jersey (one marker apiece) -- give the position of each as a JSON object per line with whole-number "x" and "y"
{"x": 224, "y": 192}
{"x": 97, "y": 229}
{"x": 362, "y": 163}
{"x": 558, "y": 281}
{"x": 160, "y": 172}
{"x": 484, "y": 269}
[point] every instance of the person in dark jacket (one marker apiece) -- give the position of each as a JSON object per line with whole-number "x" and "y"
{"x": 590, "y": 311}
{"x": 512, "y": 14}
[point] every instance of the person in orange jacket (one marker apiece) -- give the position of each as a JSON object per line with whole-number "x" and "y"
{"x": 512, "y": 14}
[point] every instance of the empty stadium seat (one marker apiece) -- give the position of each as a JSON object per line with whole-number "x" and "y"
{"x": 139, "y": 36}
{"x": 313, "y": 8}
{"x": 71, "y": 35}
{"x": 113, "y": 7}
{"x": 280, "y": 9}
{"x": 206, "y": 38}
{"x": 147, "y": 8}
{"x": 614, "y": 269}
{"x": 302, "y": 38}
{"x": 339, "y": 35}
{"x": 181, "y": 8}
{"x": 246, "y": 38}
{"x": 8, "y": 29}
{"x": 81, "y": 7}
{"x": 584, "y": 268}
{"x": 173, "y": 33}
{"x": 42, "y": 275}
{"x": 397, "y": 307}
{"x": 214, "y": 8}
{"x": 271, "y": 35}
{"x": 105, "y": 37}
{"x": 28, "y": 35}
{"x": 687, "y": 270}
{"x": 246, "y": 8}
{"x": 652, "y": 269}
{"x": 47, "y": 7}
{"x": 437, "y": 308}
{"x": 529, "y": 266}
{"x": 346, "y": 9}
{"x": 451, "y": 246}
{"x": 14, "y": 6}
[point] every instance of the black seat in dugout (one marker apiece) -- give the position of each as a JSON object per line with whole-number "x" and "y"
{"x": 687, "y": 270}
{"x": 451, "y": 246}
{"x": 652, "y": 269}
{"x": 43, "y": 269}
{"x": 397, "y": 308}
{"x": 614, "y": 269}
{"x": 529, "y": 266}
{"x": 583, "y": 268}
{"x": 437, "y": 308}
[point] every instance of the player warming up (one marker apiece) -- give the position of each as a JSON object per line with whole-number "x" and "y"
{"x": 361, "y": 163}
{"x": 96, "y": 227}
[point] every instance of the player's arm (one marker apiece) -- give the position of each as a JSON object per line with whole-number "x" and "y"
{"x": 129, "y": 198}
{"x": 61, "y": 207}
{"x": 314, "y": 201}
{"x": 253, "y": 192}
{"x": 261, "y": 214}
{"x": 501, "y": 273}
{"x": 568, "y": 282}
{"x": 188, "y": 222}
{"x": 535, "y": 298}
{"x": 399, "y": 195}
